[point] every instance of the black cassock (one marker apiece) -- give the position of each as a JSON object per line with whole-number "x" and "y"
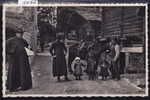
{"x": 59, "y": 62}
{"x": 19, "y": 72}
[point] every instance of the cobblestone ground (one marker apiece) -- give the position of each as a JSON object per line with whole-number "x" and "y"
{"x": 45, "y": 83}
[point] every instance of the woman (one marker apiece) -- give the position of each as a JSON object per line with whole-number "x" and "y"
{"x": 58, "y": 51}
{"x": 19, "y": 72}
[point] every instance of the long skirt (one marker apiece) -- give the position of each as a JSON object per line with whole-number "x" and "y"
{"x": 59, "y": 66}
{"x": 19, "y": 73}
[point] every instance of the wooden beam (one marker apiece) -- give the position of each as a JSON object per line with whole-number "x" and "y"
{"x": 132, "y": 49}
{"x": 126, "y": 61}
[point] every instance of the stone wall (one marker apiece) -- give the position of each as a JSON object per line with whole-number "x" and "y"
{"x": 24, "y": 19}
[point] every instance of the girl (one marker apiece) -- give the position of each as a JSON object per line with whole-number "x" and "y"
{"x": 77, "y": 68}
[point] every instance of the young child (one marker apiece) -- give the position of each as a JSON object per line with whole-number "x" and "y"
{"x": 91, "y": 69}
{"x": 104, "y": 70}
{"x": 91, "y": 64}
{"x": 104, "y": 66}
{"x": 77, "y": 68}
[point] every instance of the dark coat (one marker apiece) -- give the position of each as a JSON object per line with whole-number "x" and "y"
{"x": 73, "y": 52}
{"x": 91, "y": 66}
{"x": 59, "y": 62}
{"x": 91, "y": 62}
{"x": 104, "y": 68}
{"x": 19, "y": 72}
{"x": 83, "y": 53}
{"x": 78, "y": 69}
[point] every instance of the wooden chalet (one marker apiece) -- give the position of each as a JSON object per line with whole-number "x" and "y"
{"x": 129, "y": 24}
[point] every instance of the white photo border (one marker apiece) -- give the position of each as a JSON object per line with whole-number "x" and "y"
{"x": 75, "y": 5}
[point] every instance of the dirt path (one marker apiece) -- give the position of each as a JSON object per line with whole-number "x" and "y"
{"x": 44, "y": 83}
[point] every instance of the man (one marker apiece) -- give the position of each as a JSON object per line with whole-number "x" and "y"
{"x": 19, "y": 72}
{"x": 114, "y": 55}
{"x": 58, "y": 51}
{"x": 73, "y": 52}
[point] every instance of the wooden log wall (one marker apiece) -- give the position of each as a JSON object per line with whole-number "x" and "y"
{"x": 111, "y": 21}
{"x": 122, "y": 21}
{"x": 133, "y": 23}
{"x": 127, "y": 22}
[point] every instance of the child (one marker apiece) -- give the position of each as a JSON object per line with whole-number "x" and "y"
{"x": 91, "y": 69}
{"x": 104, "y": 70}
{"x": 91, "y": 64}
{"x": 77, "y": 68}
{"x": 104, "y": 66}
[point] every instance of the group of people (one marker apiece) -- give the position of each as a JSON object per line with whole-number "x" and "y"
{"x": 19, "y": 72}
{"x": 95, "y": 58}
